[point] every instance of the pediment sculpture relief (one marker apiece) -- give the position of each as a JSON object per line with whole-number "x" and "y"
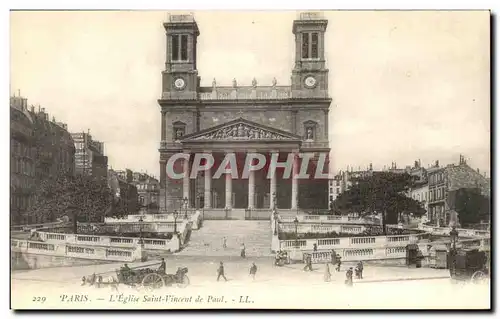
{"x": 242, "y": 131}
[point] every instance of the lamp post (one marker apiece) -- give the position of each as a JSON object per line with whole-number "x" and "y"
{"x": 275, "y": 215}
{"x": 141, "y": 241}
{"x": 296, "y": 222}
{"x": 275, "y": 201}
{"x": 453, "y": 236}
{"x": 176, "y": 214}
{"x": 185, "y": 201}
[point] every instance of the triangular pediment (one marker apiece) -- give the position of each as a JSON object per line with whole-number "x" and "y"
{"x": 240, "y": 130}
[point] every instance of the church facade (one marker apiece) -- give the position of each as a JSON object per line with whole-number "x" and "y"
{"x": 271, "y": 120}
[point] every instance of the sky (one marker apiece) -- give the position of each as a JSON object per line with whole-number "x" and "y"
{"x": 405, "y": 85}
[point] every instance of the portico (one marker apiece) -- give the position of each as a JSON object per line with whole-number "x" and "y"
{"x": 254, "y": 181}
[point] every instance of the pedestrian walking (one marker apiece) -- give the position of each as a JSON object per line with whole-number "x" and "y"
{"x": 315, "y": 247}
{"x": 220, "y": 272}
{"x": 243, "y": 253}
{"x": 253, "y": 271}
{"x": 339, "y": 263}
{"x": 328, "y": 276}
{"x": 359, "y": 268}
{"x": 224, "y": 242}
{"x": 308, "y": 266}
{"x": 348, "y": 274}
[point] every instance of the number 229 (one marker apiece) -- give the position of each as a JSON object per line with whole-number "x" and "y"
{"x": 39, "y": 299}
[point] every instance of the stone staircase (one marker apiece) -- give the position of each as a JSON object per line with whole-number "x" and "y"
{"x": 207, "y": 241}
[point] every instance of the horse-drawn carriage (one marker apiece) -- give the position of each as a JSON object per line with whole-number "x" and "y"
{"x": 153, "y": 279}
{"x": 142, "y": 277}
{"x": 470, "y": 265}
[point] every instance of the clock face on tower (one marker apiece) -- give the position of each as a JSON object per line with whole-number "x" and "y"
{"x": 310, "y": 82}
{"x": 179, "y": 83}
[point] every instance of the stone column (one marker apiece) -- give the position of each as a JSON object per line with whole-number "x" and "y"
{"x": 295, "y": 186}
{"x": 185, "y": 181}
{"x": 251, "y": 189}
{"x": 208, "y": 189}
{"x": 229, "y": 191}
{"x": 272, "y": 187}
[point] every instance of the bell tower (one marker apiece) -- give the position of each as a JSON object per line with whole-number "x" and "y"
{"x": 180, "y": 78}
{"x": 310, "y": 76}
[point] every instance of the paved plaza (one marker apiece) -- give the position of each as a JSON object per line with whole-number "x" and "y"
{"x": 273, "y": 286}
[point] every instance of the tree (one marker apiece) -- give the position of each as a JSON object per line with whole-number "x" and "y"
{"x": 382, "y": 192}
{"x": 81, "y": 198}
{"x": 470, "y": 204}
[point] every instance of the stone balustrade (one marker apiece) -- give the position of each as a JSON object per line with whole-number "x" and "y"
{"x": 136, "y": 227}
{"x": 333, "y": 219}
{"x": 247, "y": 93}
{"x": 462, "y": 232}
{"x": 358, "y": 254}
{"x": 194, "y": 217}
{"x": 111, "y": 241}
{"x": 322, "y": 228}
{"x": 354, "y": 242}
{"x": 36, "y": 226}
{"x": 76, "y": 251}
{"x": 380, "y": 253}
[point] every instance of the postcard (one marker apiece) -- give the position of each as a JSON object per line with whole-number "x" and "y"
{"x": 250, "y": 160}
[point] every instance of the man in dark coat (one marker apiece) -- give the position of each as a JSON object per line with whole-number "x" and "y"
{"x": 243, "y": 251}
{"x": 360, "y": 269}
{"x": 253, "y": 270}
{"x": 339, "y": 263}
{"x": 163, "y": 266}
{"x": 220, "y": 272}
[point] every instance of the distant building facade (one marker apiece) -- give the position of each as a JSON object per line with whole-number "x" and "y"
{"x": 55, "y": 150}
{"x": 450, "y": 178}
{"x": 344, "y": 180}
{"x": 22, "y": 159}
{"x": 335, "y": 187}
{"x": 89, "y": 156}
{"x": 148, "y": 190}
{"x": 124, "y": 190}
{"x": 40, "y": 149}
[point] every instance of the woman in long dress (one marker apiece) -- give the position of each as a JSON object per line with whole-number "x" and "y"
{"x": 328, "y": 276}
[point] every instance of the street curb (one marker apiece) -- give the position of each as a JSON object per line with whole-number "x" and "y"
{"x": 401, "y": 279}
